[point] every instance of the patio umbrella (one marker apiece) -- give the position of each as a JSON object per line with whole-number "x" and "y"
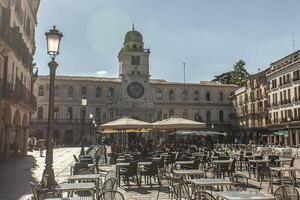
{"x": 178, "y": 123}
{"x": 211, "y": 133}
{"x": 125, "y": 123}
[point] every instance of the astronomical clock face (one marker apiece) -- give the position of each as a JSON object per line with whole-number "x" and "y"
{"x": 135, "y": 90}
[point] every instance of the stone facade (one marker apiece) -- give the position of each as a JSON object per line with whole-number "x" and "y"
{"x": 132, "y": 94}
{"x": 17, "y": 47}
{"x": 251, "y": 108}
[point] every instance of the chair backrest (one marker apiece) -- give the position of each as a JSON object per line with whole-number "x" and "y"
{"x": 110, "y": 174}
{"x": 75, "y": 158}
{"x": 202, "y": 195}
{"x": 110, "y": 184}
{"x": 239, "y": 182}
{"x": 286, "y": 192}
{"x": 34, "y": 190}
{"x": 258, "y": 157}
{"x": 132, "y": 168}
{"x": 232, "y": 166}
{"x": 111, "y": 195}
{"x": 292, "y": 162}
{"x": 181, "y": 190}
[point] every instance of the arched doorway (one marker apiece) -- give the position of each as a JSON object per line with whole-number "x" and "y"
{"x": 56, "y": 137}
{"x": 16, "y": 133}
{"x": 69, "y": 137}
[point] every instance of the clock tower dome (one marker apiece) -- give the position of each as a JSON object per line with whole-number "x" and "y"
{"x": 134, "y": 67}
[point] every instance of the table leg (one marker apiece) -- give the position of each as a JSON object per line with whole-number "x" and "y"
{"x": 256, "y": 171}
{"x": 249, "y": 169}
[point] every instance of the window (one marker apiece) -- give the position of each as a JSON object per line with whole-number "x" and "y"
{"x": 171, "y": 94}
{"x": 158, "y": 94}
{"x": 221, "y": 96}
{"x": 221, "y": 116}
{"x": 57, "y": 91}
{"x": 196, "y": 95}
{"x": 208, "y": 96}
{"x": 98, "y": 115}
{"x": 70, "y": 91}
{"x": 171, "y": 112}
{"x": 104, "y": 117}
{"x": 208, "y": 117}
{"x": 111, "y": 114}
{"x": 198, "y": 117}
{"x": 83, "y": 91}
{"x": 41, "y": 90}
{"x": 40, "y": 112}
{"x": 111, "y": 92}
{"x": 184, "y": 114}
{"x": 56, "y": 112}
{"x": 98, "y": 92}
{"x": 184, "y": 94}
{"x": 135, "y": 60}
{"x": 159, "y": 115}
{"x": 69, "y": 113}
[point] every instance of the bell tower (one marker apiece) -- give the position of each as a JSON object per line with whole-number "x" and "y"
{"x": 134, "y": 67}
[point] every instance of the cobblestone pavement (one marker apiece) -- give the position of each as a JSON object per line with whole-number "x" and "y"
{"x": 16, "y": 174}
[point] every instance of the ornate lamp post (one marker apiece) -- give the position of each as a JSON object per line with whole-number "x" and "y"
{"x": 82, "y": 135}
{"x": 53, "y": 38}
{"x": 91, "y": 125}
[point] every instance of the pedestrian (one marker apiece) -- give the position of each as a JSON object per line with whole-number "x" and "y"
{"x": 105, "y": 155}
{"x": 42, "y": 146}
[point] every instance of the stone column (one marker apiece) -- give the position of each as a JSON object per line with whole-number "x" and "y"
{"x": 285, "y": 141}
{"x": 25, "y": 141}
{"x": 297, "y": 136}
{"x": 291, "y": 134}
{"x": 7, "y": 133}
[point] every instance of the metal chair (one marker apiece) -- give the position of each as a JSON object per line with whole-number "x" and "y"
{"x": 110, "y": 174}
{"x": 111, "y": 195}
{"x": 40, "y": 193}
{"x": 181, "y": 191}
{"x": 202, "y": 195}
{"x": 286, "y": 192}
{"x": 239, "y": 182}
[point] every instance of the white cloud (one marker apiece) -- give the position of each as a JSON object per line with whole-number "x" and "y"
{"x": 100, "y": 73}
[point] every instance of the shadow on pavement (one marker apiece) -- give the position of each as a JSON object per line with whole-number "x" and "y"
{"x": 15, "y": 177}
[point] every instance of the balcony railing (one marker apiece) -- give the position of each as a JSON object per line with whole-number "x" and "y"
{"x": 17, "y": 92}
{"x": 13, "y": 39}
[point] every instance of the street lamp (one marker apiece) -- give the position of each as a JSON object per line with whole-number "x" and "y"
{"x": 53, "y": 38}
{"x": 83, "y": 110}
{"x": 91, "y": 125}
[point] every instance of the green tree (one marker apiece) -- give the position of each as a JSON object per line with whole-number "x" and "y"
{"x": 237, "y": 75}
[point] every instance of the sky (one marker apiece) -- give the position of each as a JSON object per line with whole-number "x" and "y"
{"x": 209, "y": 36}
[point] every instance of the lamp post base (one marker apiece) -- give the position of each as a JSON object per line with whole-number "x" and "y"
{"x": 82, "y": 150}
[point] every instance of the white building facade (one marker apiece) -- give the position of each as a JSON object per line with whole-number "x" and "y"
{"x": 17, "y": 47}
{"x": 284, "y": 100}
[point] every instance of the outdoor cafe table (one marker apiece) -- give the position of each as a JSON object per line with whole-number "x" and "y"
{"x": 71, "y": 198}
{"x": 74, "y": 187}
{"x": 283, "y": 160}
{"x": 219, "y": 163}
{"x": 282, "y": 170}
{"x": 244, "y": 195}
{"x": 87, "y": 177}
{"x": 184, "y": 162}
{"x": 256, "y": 162}
{"x": 188, "y": 172}
{"x": 205, "y": 182}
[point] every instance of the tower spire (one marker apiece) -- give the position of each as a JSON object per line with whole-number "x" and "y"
{"x": 133, "y": 26}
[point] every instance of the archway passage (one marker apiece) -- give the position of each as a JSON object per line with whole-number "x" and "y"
{"x": 56, "y": 137}
{"x": 69, "y": 137}
{"x": 16, "y": 134}
{"x": 23, "y": 139}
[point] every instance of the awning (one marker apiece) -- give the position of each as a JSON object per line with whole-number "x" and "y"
{"x": 284, "y": 133}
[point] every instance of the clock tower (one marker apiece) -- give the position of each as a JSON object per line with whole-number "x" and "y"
{"x": 134, "y": 72}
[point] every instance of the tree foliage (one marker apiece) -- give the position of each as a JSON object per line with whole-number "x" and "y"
{"x": 237, "y": 75}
